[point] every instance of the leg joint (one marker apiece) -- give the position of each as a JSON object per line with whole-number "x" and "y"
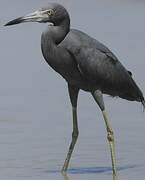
{"x": 110, "y": 136}
{"x": 75, "y": 134}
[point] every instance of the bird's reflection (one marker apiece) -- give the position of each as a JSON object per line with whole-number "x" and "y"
{"x": 114, "y": 177}
{"x": 65, "y": 176}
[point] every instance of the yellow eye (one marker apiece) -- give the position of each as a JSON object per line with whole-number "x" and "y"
{"x": 50, "y": 12}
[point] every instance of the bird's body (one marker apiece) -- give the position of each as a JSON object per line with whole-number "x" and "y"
{"x": 86, "y": 64}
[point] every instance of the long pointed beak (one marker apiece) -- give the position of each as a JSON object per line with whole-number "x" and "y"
{"x": 36, "y": 16}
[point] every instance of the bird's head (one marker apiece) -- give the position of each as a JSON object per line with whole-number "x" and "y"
{"x": 53, "y": 13}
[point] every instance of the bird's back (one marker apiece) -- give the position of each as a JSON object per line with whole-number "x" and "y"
{"x": 99, "y": 66}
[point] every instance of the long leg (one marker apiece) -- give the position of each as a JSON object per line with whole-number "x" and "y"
{"x": 110, "y": 135}
{"x": 73, "y": 93}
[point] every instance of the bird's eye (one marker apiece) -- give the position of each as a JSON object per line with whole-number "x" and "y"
{"x": 50, "y": 12}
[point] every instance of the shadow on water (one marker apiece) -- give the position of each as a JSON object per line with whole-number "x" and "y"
{"x": 93, "y": 170}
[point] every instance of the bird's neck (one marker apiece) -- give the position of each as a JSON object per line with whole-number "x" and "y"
{"x": 52, "y": 37}
{"x": 55, "y": 34}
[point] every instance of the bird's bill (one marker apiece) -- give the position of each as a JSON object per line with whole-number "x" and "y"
{"x": 37, "y": 16}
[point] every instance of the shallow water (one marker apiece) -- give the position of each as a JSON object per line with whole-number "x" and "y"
{"x": 35, "y": 112}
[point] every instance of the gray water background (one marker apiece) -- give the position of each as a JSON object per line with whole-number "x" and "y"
{"x": 35, "y": 112}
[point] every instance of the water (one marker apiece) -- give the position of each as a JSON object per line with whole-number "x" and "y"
{"x": 35, "y": 113}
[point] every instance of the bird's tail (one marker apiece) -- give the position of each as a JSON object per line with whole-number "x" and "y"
{"x": 139, "y": 94}
{"x": 143, "y": 103}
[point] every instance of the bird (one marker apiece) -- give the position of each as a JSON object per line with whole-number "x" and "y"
{"x": 86, "y": 64}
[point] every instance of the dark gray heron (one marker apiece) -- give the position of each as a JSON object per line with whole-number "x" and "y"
{"x": 85, "y": 64}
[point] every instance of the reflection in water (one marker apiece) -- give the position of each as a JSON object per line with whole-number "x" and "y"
{"x": 65, "y": 175}
{"x": 114, "y": 177}
{"x": 93, "y": 170}
{"x": 96, "y": 170}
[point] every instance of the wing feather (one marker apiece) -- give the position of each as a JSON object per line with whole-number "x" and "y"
{"x": 100, "y": 66}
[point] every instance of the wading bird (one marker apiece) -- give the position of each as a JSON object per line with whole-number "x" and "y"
{"x": 85, "y": 64}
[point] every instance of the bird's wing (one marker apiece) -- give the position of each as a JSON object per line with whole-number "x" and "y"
{"x": 103, "y": 70}
{"x": 94, "y": 60}
{"x": 99, "y": 65}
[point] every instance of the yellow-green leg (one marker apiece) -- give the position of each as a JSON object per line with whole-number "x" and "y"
{"x": 110, "y": 135}
{"x": 73, "y": 92}
{"x": 74, "y": 139}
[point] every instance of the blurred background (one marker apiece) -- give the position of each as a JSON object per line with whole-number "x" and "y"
{"x": 35, "y": 112}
